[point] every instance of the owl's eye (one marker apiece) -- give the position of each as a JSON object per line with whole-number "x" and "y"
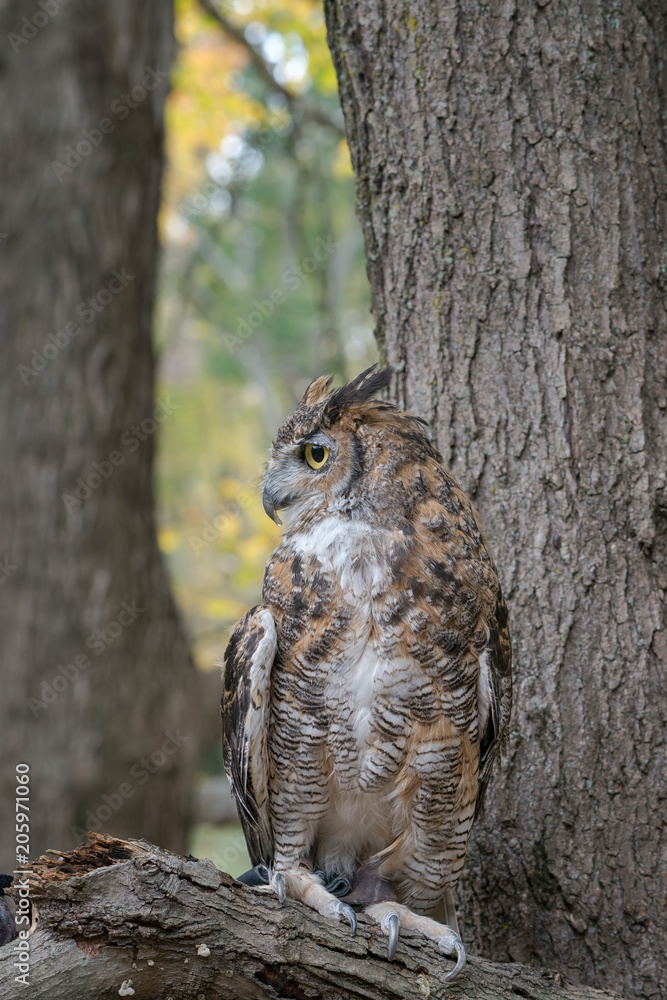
{"x": 316, "y": 455}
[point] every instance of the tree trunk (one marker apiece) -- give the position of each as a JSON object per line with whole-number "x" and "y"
{"x": 84, "y": 88}
{"x": 512, "y": 186}
{"x": 124, "y": 918}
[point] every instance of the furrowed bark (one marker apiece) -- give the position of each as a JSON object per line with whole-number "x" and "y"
{"x": 125, "y": 918}
{"x": 511, "y": 165}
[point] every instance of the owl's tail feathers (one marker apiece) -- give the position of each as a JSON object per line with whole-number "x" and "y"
{"x": 392, "y": 917}
{"x": 259, "y": 875}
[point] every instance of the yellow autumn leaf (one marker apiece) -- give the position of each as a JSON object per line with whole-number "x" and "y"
{"x": 168, "y": 540}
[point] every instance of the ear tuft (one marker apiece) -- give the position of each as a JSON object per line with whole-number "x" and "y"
{"x": 316, "y": 391}
{"x": 359, "y": 390}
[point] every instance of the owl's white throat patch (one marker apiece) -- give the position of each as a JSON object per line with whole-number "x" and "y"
{"x": 348, "y": 549}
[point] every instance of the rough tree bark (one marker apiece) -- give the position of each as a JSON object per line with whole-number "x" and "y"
{"x": 85, "y": 230}
{"x": 124, "y": 918}
{"x": 512, "y": 185}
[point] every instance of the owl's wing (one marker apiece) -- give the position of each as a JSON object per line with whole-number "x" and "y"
{"x": 247, "y": 668}
{"x": 494, "y": 695}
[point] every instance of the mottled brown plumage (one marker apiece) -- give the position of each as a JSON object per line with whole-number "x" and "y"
{"x": 367, "y": 700}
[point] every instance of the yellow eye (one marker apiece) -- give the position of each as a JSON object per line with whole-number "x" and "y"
{"x": 316, "y": 455}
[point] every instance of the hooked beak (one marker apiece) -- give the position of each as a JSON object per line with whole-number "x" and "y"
{"x": 267, "y": 500}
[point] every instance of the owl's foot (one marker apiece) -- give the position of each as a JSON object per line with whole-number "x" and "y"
{"x": 307, "y": 888}
{"x": 392, "y": 917}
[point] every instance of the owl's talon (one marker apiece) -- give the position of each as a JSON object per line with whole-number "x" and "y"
{"x": 461, "y": 959}
{"x": 307, "y": 888}
{"x": 392, "y": 928}
{"x": 348, "y": 913}
{"x": 392, "y": 916}
{"x": 280, "y": 885}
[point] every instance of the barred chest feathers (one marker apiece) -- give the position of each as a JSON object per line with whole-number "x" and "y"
{"x": 354, "y": 558}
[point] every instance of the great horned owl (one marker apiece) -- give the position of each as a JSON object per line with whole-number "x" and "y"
{"x": 366, "y": 701}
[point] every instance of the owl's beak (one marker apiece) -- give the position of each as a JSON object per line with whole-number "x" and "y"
{"x": 267, "y": 500}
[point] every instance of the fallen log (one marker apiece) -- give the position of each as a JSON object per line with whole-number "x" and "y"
{"x": 126, "y": 918}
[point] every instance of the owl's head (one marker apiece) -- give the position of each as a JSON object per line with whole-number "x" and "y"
{"x": 321, "y": 454}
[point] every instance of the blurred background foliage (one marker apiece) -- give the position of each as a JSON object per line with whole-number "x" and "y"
{"x": 262, "y": 288}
